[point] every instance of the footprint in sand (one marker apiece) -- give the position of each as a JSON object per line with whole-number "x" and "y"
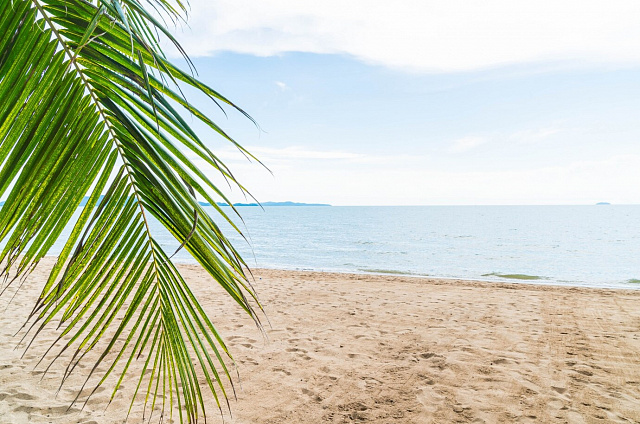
{"x": 88, "y": 391}
{"x": 22, "y": 396}
{"x": 250, "y": 361}
{"x": 430, "y": 399}
{"x": 58, "y": 410}
{"x": 316, "y": 397}
{"x": 282, "y": 370}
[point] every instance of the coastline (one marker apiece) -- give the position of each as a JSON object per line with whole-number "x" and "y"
{"x": 385, "y": 348}
{"x": 495, "y": 280}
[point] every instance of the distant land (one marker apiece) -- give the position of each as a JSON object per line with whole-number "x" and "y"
{"x": 267, "y": 204}
{"x": 86, "y": 199}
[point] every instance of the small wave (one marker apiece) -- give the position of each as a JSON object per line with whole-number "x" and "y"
{"x": 633, "y": 281}
{"x": 385, "y": 271}
{"x": 514, "y": 276}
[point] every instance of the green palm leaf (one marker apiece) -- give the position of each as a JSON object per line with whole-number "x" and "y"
{"x": 87, "y": 108}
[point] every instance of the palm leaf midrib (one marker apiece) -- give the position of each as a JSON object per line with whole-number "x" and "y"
{"x": 107, "y": 123}
{"x": 114, "y": 138}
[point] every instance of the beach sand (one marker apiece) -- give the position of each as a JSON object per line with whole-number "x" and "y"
{"x": 346, "y": 348}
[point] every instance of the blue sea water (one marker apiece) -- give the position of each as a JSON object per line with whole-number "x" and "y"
{"x": 569, "y": 245}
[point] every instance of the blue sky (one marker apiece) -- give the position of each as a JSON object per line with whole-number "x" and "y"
{"x": 538, "y": 120}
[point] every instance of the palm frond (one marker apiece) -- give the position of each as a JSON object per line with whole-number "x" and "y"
{"x": 87, "y": 109}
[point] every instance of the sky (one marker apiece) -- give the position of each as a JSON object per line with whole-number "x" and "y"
{"x": 425, "y": 102}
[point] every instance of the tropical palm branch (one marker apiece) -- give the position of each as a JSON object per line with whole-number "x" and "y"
{"x": 88, "y": 108}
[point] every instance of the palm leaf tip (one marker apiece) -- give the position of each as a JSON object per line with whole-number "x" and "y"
{"x": 86, "y": 110}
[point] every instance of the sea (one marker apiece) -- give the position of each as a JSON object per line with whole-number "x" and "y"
{"x": 594, "y": 246}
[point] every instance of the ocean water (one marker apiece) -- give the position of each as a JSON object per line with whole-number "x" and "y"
{"x": 596, "y": 246}
{"x": 569, "y": 245}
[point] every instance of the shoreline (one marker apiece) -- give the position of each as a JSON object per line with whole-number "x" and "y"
{"x": 633, "y": 287}
{"x": 512, "y": 277}
{"x": 504, "y": 283}
{"x": 384, "y": 349}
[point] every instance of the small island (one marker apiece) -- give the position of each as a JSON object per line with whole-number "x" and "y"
{"x": 602, "y": 203}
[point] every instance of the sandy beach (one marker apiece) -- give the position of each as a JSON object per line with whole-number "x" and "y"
{"x": 345, "y": 348}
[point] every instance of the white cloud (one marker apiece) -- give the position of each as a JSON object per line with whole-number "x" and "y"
{"x": 534, "y": 136}
{"x": 443, "y": 35}
{"x": 347, "y": 178}
{"x": 291, "y": 153}
{"x": 612, "y": 179}
{"x": 281, "y": 85}
{"x": 465, "y": 144}
{"x": 523, "y": 137}
{"x": 293, "y": 156}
